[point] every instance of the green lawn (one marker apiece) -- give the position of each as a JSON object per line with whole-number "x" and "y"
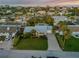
{"x": 32, "y": 44}
{"x": 72, "y": 44}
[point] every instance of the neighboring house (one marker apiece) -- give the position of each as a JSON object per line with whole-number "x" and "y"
{"x": 75, "y": 30}
{"x": 40, "y": 29}
{"x": 4, "y": 29}
{"x": 30, "y": 13}
{"x": 21, "y": 19}
{"x": 8, "y": 11}
{"x": 41, "y": 12}
{"x": 27, "y": 18}
{"x": 2, "y": 20}
{"x": 57, "y": 19}
{"x": 20, "y": 13}
{"x": 32, "y": 9}
{"x": 50, "y": 13}
{"x": 10, "y": 24}
{"x": 51, "y": 9}
{"x": 11, "y": 28}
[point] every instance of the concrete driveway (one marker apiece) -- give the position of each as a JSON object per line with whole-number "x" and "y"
{"x": 52, "y": 42}
{"x": 8, "y": 44}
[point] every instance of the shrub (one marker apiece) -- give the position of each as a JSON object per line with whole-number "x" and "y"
{"x": 43, "y": 37}
{"x": 17, "y": 40}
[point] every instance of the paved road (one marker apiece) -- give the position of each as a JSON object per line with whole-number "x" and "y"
{"x": 43, "y": 54}
{"x": 52, "y": 43}
{"x": 27, "y": 53}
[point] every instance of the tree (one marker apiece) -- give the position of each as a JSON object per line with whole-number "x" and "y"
{"x": 72, "y": 18}
{"x": 67, "y": 35}
{"x": 12, "y": 19}
{"x": 49, "y": 20}
{"x": 62, "y": 25}
{"x": 33, "y": 33}
{"x": 66, "y": 32}
{"x": 30, "y": 22}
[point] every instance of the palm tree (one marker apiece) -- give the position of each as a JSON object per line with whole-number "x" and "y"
{"x": 67, "y": 35}
{"x": 62, "y": 25}
{"x": 66, "y": 32}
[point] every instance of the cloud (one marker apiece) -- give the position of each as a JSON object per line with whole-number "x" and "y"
{"x": 40, "y": 2}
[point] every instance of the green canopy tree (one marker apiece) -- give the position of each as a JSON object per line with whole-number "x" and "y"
{"x": 49, "y": 20}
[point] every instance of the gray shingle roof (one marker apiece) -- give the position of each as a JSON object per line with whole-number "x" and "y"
{"x": 38, "y": 28}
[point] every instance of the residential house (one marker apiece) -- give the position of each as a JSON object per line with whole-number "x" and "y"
{"x": 41, "y": 29}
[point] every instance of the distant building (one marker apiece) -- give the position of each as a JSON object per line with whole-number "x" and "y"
{"x": 41, "y": 12}
{"x": 20, "y": 19}
{"x": 57, "y": 19}
{"x": 30, "y": 13}
{"x": 2, "y": 20}
{"x": 19, "y": 13}
{"x": 8, "y": 11}
{"x": 51, "y": 9}
{"x": 51, "y": 13}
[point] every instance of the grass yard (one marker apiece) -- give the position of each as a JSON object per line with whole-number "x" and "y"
{"x": 32, "y": 44}
{"x": 72, "y": 44}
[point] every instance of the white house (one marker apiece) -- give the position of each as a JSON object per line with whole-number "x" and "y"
{"x": 40, "y": 28}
